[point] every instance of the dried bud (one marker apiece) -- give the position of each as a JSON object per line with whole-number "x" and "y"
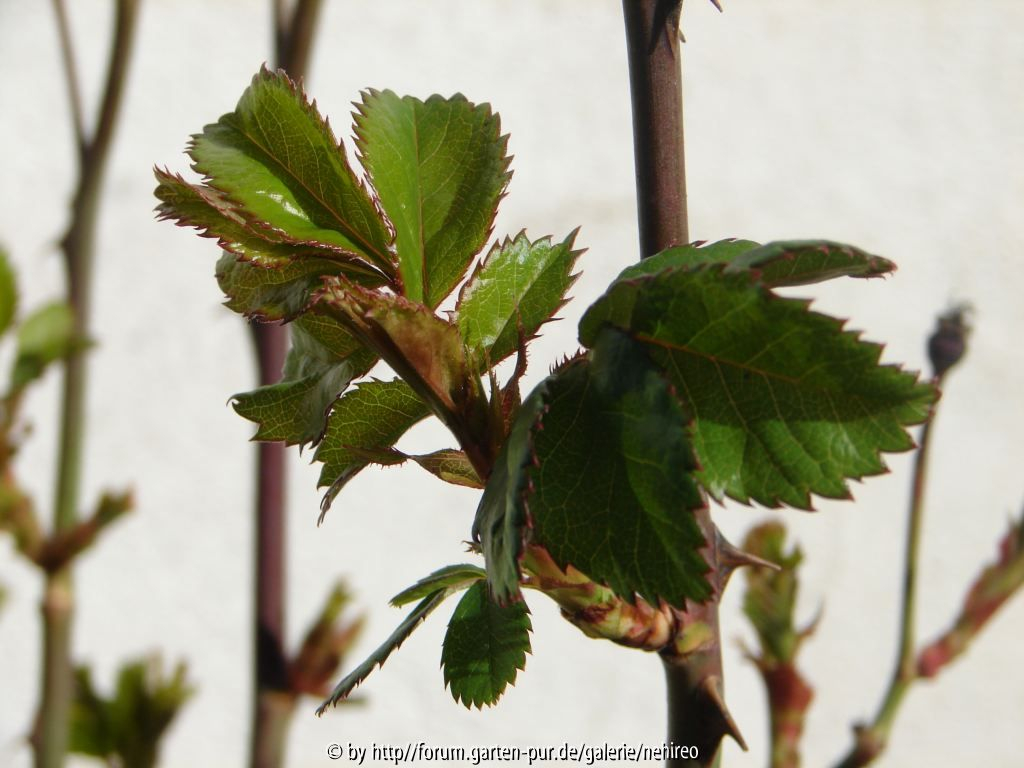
{"x": 949, "y": 342}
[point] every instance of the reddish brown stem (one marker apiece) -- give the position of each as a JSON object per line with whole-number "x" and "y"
{"x": 697, "y": 716}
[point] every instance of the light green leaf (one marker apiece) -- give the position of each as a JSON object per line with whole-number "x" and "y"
{"x": 8, "y": 293}
{"x": 785, "y": 403}
{"x": 614, "y": 488}
{"x": 47, "y": 335}
{"x": 214, "y": 215}
{"x": 439, "y": 168}
{"x": 770, "y": 600}
{"x": 278, "y": 161}
{"x": 486, "y": 645}
{"x": 502, "y": 518}
{"x": 374, "y": 415}
{"x": 451, "y": 577}
{"x": 127, "y": 729}
{"x": 389, "y": 646}
{"x": 519, "y": 286}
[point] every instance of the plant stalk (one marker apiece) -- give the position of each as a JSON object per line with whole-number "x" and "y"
{"x": 872, "y": 739}
{"x": 696, "y": 712}
{"x": 272, "y": 702}
{"x": 78, "y": 245}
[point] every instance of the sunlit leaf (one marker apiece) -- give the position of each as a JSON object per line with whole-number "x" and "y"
{"x": 439, "y": 168}
{"x": 485, "y": 646}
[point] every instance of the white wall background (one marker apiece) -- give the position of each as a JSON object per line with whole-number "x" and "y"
{"x": 896, "y": 126}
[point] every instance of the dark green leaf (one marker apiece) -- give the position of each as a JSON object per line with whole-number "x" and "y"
{"x": 278, "y": 293}
{"x": 452, "y": 578}
{"x": 389, "y": 646}
{"x": 800, "y": 262}
{"x": 278, "y": 161}
{"x": 372, "y": 416}
{"x": 789, "y": 262}
{"x": 44, "y": 337}
{"x": 785, "y": 403}
{"x": 295, "y": 409}
{"x": 692, "y": 255}
{"x": 614, "y": 491}
{"x": 439, "y": 168}
{"x": 8, "y": 293}
{"x": 517, "y": 288}
{"x": 486, "y": 645}
{"x": 502, "y": 518}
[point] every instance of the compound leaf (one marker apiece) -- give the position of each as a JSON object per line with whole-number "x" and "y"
{"x": 485, "y": 646}
{"x": 439, "y": 168}
{"x": 614, "y": 488}
{"x": 517, "y": 288}
{"x": 278, "y": 161}
{"x": 785, "y": 403}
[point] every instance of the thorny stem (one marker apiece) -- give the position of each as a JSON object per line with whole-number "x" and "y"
{"x": 272, "y": 703}
{"x": 872, "y": 739}
{"x": 697, "y": 716}
{"x": 50, "y": 737}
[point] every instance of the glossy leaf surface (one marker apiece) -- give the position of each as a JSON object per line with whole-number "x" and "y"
{"x": 485, "y": 646}
{"x": 785, "y": 403}
{"x": 451, "y": 577}
{"x": 439, "y": 168}
{"x": 279, "y": 162}
{"x": 517, "y": 288}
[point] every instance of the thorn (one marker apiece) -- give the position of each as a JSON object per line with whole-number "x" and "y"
{"x": 731, "y": 557}
{"x": 717, "y": 5}
{"x": 712, "y": 686}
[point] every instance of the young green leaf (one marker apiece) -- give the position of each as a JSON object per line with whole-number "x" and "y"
{"x": 502, "y": 518}
{"x": 8, "y": 293}
{"x": 770, "y": 600}
{"x": 785, "y": 403}
{"x": 389, "y": 646}
{"x": 374, "y": 415}
{"x": 486, "y": 645}
{"x": 439, "y": 168}
{"x": 278, "y": 161}
{"x": 295, "y": 409}
{"x": 47, "y": 335}
{"x": 451, "y": 577}
{"x": 214, "y": 215}
{"x": 517, "y": 288}
{"x": 614, "y": 491}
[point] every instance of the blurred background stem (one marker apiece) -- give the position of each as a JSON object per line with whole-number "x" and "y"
{"x": 294, "y": 27}
{"x": 78, "y": 244}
